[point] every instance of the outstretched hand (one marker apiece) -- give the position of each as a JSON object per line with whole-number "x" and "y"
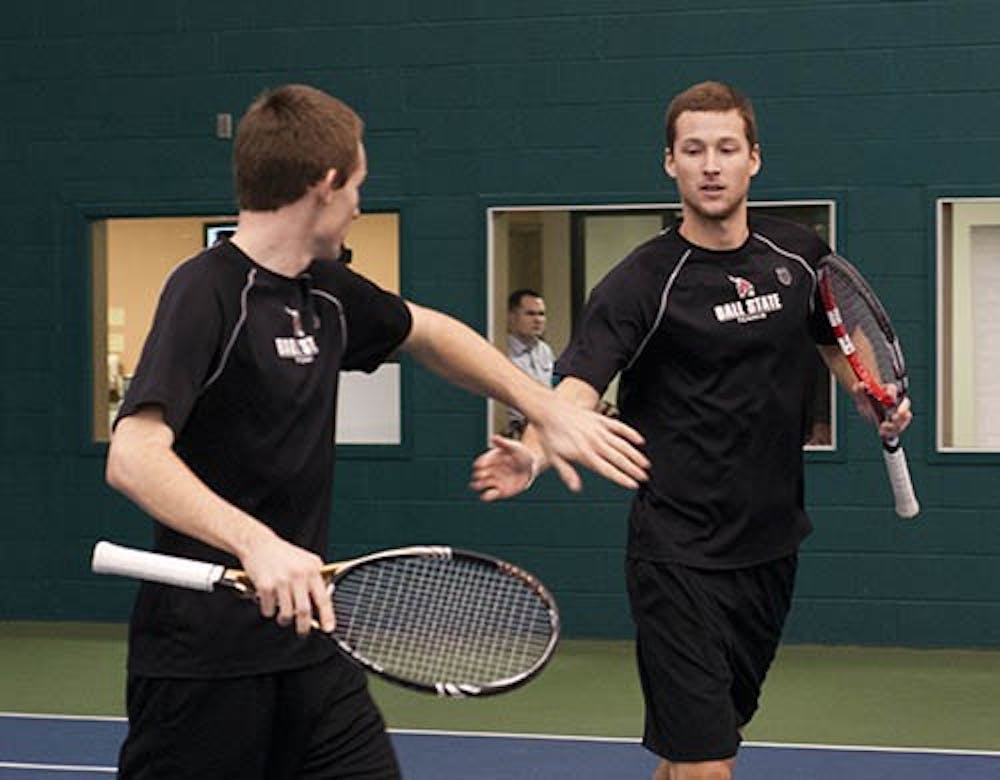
{"x": 503, "y": 471}
{"x": 565, "y": 434}
{"x": 572, "y": 434}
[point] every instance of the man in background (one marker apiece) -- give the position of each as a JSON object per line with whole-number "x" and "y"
{"x": 526, "y": 347}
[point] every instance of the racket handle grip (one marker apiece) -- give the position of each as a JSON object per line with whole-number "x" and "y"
{"x": 907, "y": 506}
{"x": 111, "y": 558}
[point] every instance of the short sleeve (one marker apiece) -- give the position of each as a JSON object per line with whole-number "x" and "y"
{"x": 807, "y": 245}
{"x": 180, "y": 350}
{"x": 377, "y": 321}
{"x": 617, "y": 320}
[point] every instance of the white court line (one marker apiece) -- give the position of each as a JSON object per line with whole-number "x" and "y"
{"x": 513, "y": 735}
{"x": 874, "y": 749}
{"x": 746, "y": 743}
{"x": 45, "y": 716}
{"x": 110, "y": 770}
{"x": 516, "y": 735}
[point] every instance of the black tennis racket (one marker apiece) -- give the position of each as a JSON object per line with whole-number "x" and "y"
{"x": 446, "y": 621}
{"x": 869, "y": 342}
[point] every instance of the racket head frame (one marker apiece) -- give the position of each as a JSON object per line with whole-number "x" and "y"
{"x": 876, "y": 389}
{"x": 883, "y": 401}
{"x": 447, "y": 688}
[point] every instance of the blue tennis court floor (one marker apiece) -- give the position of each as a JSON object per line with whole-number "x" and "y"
{"x": 39, "y": 747}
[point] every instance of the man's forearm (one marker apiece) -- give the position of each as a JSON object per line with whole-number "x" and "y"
{"x": 838, "y": 365}
{"x": 455, "y": 352}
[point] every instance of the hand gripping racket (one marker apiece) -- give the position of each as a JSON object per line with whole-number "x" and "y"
{"x": 868, "y": 341}
{"x": 451, "y": 622}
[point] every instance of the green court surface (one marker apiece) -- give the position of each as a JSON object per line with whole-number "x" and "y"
{"x": 815, "y": 694}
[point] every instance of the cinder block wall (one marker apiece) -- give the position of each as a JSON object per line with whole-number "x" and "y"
{"x": 108, "y": 110}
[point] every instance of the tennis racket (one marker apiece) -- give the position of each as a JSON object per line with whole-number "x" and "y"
{"x": 446, "y": 621}
{"x": 868, "y": 341}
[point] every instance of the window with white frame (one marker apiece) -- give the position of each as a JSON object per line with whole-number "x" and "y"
{"x": 968, "y": 328}
{"x": 131, "y": 257}
{"x": 563, "y": 251}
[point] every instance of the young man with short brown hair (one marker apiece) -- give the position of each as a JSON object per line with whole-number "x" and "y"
{"x": 713, "y": 327}
{"x": 226, "y": 438}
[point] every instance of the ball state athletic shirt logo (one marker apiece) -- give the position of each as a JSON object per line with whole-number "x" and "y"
{"x": 748, "y": 306}
{"x": 300, "y": 347}
{"x": 744, "y": 287}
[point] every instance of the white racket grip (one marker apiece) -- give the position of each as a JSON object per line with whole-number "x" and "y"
{"x": 907, "y": 505}
{"x": 112, "y": 558}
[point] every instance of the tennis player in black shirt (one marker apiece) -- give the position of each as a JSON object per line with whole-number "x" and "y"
{"x": 226, "y": 437}
{"x": 713, "y": 327}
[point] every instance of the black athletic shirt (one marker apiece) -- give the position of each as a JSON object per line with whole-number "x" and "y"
{"x": 244, "y": 363}
{"x": 715, "y": 350}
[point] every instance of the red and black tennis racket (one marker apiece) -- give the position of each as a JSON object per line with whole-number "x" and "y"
{"x": 446, "y": 621}
{"x": 869, "y": 342}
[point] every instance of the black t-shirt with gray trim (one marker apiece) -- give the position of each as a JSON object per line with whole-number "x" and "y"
{"x": 716, "y": 350}
{"x": 245, "y": 364}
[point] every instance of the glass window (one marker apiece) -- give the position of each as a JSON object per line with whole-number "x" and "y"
{"x": 563, "y": 251}
{"x": 132, "y": 256}
{"x": 968, "y": 329}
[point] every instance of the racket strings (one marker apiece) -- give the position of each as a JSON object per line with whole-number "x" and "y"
{"x": 440, "y": 620}
{"x": 421, "y": 644}
{"x": 496, "y": 617}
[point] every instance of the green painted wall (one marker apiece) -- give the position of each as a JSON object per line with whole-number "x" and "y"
{"x": 108, "y": 110}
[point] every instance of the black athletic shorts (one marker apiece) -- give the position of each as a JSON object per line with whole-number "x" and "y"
{"x": 317, "y": 722}
{"x": 704, "y": 641}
